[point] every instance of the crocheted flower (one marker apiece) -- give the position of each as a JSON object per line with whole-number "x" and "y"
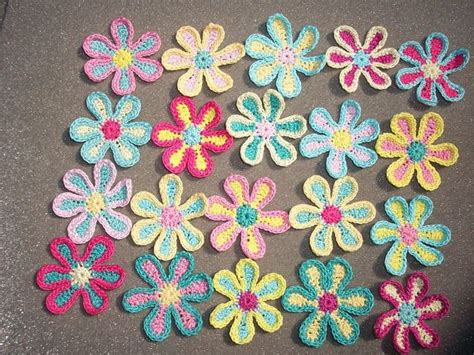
{"x": 342, "y": 139}
{"x": 264, "y": 127}
{"x": 416, "y": 151}
{"x": 431, "y": 69}
{"x": 409, "y": 233}
{"x": 123, "y": 57}
{"x": 94, "y": 203}
{"x": 85, "y": 275}
{"x": 168, "y": 220}
{"x": 280, "y": 56}
{"x": 332, "y": 213}
{"x": 244, "y": 215}
{"x": 169, "y": 295}
{"x": 111, "y": 130}
{"x": 193, "y": 135}
{"x": 367, "y": 59}
{"x": 202, "y": 59}
{"x": 411, "y": 309}
{"x": 247, "y": 301}
{"x": 325, "y": 297}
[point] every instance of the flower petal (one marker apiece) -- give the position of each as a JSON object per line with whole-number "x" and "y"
{"x": 108, "y": 277}
{"x": 383, "y": 232}
{"x": 194, "y": 207}
{"x": 386, "y": 58}
{"x": 280, "y": 30}
{"x": 291, "y": 126}
{"x": 310, "y": 66}
{"x": 337, "y": 57}
{"x": 431, "y": 128}
{"x": 389, "y": 145}
{"x": 99, "y": 46}
{"x": 274, "y": 105}
{"x": 247, "y": 272}
{"x": 426, "y": 336}
{"x": 361, "y": 156}
{"x": 176, "y": 59}
{"x": 138, "y": 299}
{"x": 98, "y": 70}
{"x": 307, "y": 40}
{"x": 426, "y": 255}
{"x": 259, "y": 46}
{"x": 165, "y": 246}
{"x": 122, "y": 32}
{"x": 314, "y": 145}
{"x": 436, "y": 235}
{"x": 434, "y": 307}
{"x": 252, "y": 150}
{"x": 396, "y": 259}
{"x": 99, "y": 105}
{"x": 68, "y": 204}
{"x": 94, "y": 299}
{"x": 321, "y": 121}
{"x": 165, "y": 134}
{"x": 421, "y": 208}
{"x": 208, "y": 117}
{"x": 237, "y": 187}
{"x": 242, "y": 330}
{"x": 226, "y": 283}
{"x": 413, "y": 53}
{"x": 400, "y": 172}
{"x": 349, "y": 115}
{"x": 217, "y": 80}
{"x": 270, "y": 287}
{"x": 455, "y": 61}
{"x": 408, "y": 78}
{"x": 187, "y": 318}
{"x": 219, "y": 209}
{"x": 199, "y": 164}
{"x": 181, "y": 267}
{"x": 50, "y": 277}
{"x": 94, "y": 150}
{"x": 385, "y": 322}
{"x": 230, "y": 54}
{"x": 288, "y": 82}
{"x": 264, "y": 71}
{"x": 320, "y": 240}
{"x": 450, "y": 91}
{"x": 312, "y": 273}
{"x": 317, "y": 189}
{"x": 212, "y": 37}
{"x": 83, "y": 129}
{"x": 61, "y": 299}
{"x": 145, "y": 204}
{"x": 268, "y": 318}
{"x": 357, "y": 301}
{"x": 175, "y": 158}
{"x": 313, "y": 330}
{"x": 401, "y": 341}
{"x": 151, "y": 271}
{"x": 252, "y": 243}
{"x": 367, "y": 131}
{"x": 436, "y": 46}
{"x": 145, "y": 231}
{"x": 127, "y": 109}
{"x": 344, "y": 191}
{"x": 105, "y": 174}
{"x": 360, "y": 212}
{"x": 336, "y": 165}
{"x": 81, "y": 228}
{"x": 304, "y": 216}
{"x": 190, "y": 83}
{"x": 375, "y": 39}
{"x": 250, "y": 105}
{"x": 263, "y": 192}
{"x": 125, "y": 153}
{"x": 147, "y": 44}
{"x": 197, "y": 288}
{"x": 171, "y": 190}
{"x": 273, "y": 221}
{"x": 426, "y": 92}
{"x": 392, "y": 291}
{"x": 147, "y": 69}
{"x": 157, "y": 323}
{"x": 349, "y": 78}
{"x": 397, "y": 209}
{"x": 347, "y": 236}
{"x": 216, "y": 141}
{"x": 137, "y": 133}
{"x": 339, "y": 273}
{"x": 188, "y": 38}
{"x": 343, "y": 327}
{"x": 377, "y": 78}
{"x": 117, "y": 225}
{"x": 417, "y": 287}
{"x": 239, "y": 126}
{"x": 347, "y": 38}
{"x": 190, "y": 237}
{"x": 298, "y": 299}
{"x": 123, "y": 82}
{"x": 427, "y": 176}
{"x": 223, "y": 314}
{"x": 99, "y": 250}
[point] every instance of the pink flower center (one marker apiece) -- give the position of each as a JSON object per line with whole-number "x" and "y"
{"x": 248, "y": 301}
{"x": 111, "y": 129}
{"x": 408, "y": 234}
{"x": 171, "y": 217}
{"x": 328, "y": 302}
{"x": 286, "y": 56}
{"x": 265, "y": 129}
{"x": 331, "y": 215}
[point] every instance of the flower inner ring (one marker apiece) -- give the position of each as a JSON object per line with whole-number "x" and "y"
{"x": 111, "y": 129}
{"x": 408, "y": 313}
{"x": 341, "y": 139}
{"x": 123, "y": 58}
{"x": 168, "y": 295}
{"x": 203, "y": 60}
{"x": 361, "y": 59}
{"x": 265, "y": 129}
{"x": 327, "y": 302}
{"x": 248, "y": 301}
{"x": 408, "y": 234}
{"x": 286, "y": 56}
{"x": 192, "y": 135}
{"x": 416, "y": 151}
{"x": 246, "y": 215}
{"x": 331, "y": 214}
{"x": 171, "y": 217}
{"x": 431, "y": 70}
{"x": 80, "y": 275}
{"x": 95, "y": 203}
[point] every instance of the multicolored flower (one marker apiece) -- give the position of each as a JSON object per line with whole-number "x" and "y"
{"x": 94, "y": 203}
{"x": 264, "y": 127}
{"x": 280, "y": 56}
{"x": 411, "y": 309}
{"x": 365, "y": 59}
{"x": 193, "y": 135}
{"x": 431, "y": 69}
{"x": 416, "y": 151}
{"x": 124, "y": 57}
{"x": 169, "y": 295}
{"x": 342, "y": 139}
{"x": 202, "y": 59}
{"x": 325, "y": 297}
{"x": 410, "y": 234}
{"x": 244, "y": 216}
{"x": 112, "y": 130}
{"x": 85, "y": 275}
{"x": 332, "y": 214}
{"x": 247, "y": 301}
{"x": 168, "y": 220}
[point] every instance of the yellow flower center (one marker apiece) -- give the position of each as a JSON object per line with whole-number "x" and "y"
{"x": 431, "y": 70}
{"x": 80, "y": 275}
{"x": 341, "y": 139}
{"x": 95, "y": 203}
{"x": 169, "y": 295}
{"x": 123, "y": 58}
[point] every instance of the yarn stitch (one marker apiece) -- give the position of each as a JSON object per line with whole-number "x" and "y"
{"x": 247, "y": 301}
{"x": 111, "y": 130}
{"x": 411, "y": 308}
{"x": 409, "y": 233}
{"x": 279, "y": 57}
{"x": 202, "y": 59}
{"x": 169, "y": 295}
{"x": 193, "y": 135}
{"x": 325, "y": 297}
{"x": 332, "y": 214}
{"x": 367, "y": 59}
{"x": 244, "y": 215}
{"x": 416, "y": 151}
{"x": 94, "y": 203}
{"x": 341, "y": 139}
{"x": 123, "y": 57}
{"x": 85, "y": 276}
{"x": 431, "y": 69}
{"x": 264, "y": 127}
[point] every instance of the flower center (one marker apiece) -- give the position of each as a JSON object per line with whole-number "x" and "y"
{"x": 286, "y": 56}
{"x": 248, "y": 301}
{"x": 80, "y": 275}
{"x": 246, "y": 215}
{"x": 407, "y": 313}
{"x": 331, "y": 215}
{"x": 408, "y": 234}
{"x": 192, "y": 135}
{"x": 171, "y": 217}
{"x": 431, "y": 70}
{"x": 327, "y": 302}
{"x": 342, "y": 139}
{"x": 361, "y": 59}
{"x": 265, "y": 129}
{"x": 111, "y": 129}
{"x": 416, "y": 151}
{"x": 95, "y": 203}
{"x": 123, "y": 58}
{"x": 168, "y": 295}
{"x": 203, "y": 60}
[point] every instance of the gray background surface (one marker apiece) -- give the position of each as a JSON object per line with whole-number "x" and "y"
{"x": 43, "y": 89}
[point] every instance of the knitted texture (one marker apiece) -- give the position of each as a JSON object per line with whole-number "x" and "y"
{"x": 411, "y": 309}
{"x": 168, "y": 220}
{"x": 342, "y": 139}
{"x": 190, "y": 139}
{"x": 262, "y": 124}
{"x": 111, "y": 130}
{"x": 332, "y": 213}
{"x": 92, "y": 203}
{"x": 123, "y": 57}
{"x": 75, "y": 276}
{"x": 169, "y": 295}
{"x": 201, "y": 58}
{"x": 416, "y": 151}
{"x": 409, "y": 233}
{"x": 431, "y": 68}
{"x": 247, "y": 301}
{"x": 244, "y": 216}
{"x": 325, "y": 297}
{"x": 367, "y": 59}
{"x": 279, "y": 57}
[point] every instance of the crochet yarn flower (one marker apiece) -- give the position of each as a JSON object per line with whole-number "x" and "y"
{"x": 168, "y": 220}
{"x": 409, "y": 233}
{"x": 411, "y": 309}
{"x": 431, "y": 69}
{"x": 342, "y": 139}
{"x": 92, "y": 203}
{"x": 244, "y": 215}
{"x": 169, "y": 296}
{"x": 416, "y": 151}
{"x": 280, "y": 57}
{"x": 247, "y": 301}
{"x": 367, "y": 59}
{"x": 111, "y": 130}
{"x": 332, "y": 213}
{"x": 193, "y": 135}
{"x": 202, "y": 59}
{"x": 264, "y": 127}
{"x": 123, "y": 57}
{"x": 87, "y": 275}
{"x": 324, "y": 295}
